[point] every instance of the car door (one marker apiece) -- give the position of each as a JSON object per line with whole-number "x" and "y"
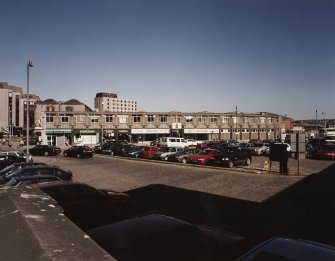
{"x": 86, "y": 206}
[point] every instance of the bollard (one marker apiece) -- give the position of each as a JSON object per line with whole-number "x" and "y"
{"x": 266, "y": 165}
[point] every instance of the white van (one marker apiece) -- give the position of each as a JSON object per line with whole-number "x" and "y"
{"x": 173, "y": 142}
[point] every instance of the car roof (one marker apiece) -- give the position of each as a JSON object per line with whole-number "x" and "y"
{"x": 61, "y": 183}
{"x": 35, "y": 177}
{"x": 131, "y": 231}
{"x": 290, "y": 249}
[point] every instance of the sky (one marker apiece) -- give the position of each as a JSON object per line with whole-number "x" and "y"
{"x": 176, "y": 55}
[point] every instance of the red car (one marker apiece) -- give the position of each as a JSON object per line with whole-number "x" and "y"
{"x": 87, "y": 206}
{"x": 203, "y": 156}
{"x": 147, "y": 152}
{"x": 326, "y": 152}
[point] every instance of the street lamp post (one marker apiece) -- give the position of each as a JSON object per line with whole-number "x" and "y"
{"x": 29, "y": 64}
{"x": 102, "y": 123}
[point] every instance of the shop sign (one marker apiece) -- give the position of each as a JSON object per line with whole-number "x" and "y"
{"x": 201, "y": 131}
{"x": 150, "y": 131}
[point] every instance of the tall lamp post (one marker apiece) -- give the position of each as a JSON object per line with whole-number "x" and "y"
{"x": 102, "y": 123}
{"x": 29, "y": 64}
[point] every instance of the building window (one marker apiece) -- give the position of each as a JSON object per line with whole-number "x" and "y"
{"x": 201, "y": 119}
{"x": 109, "y": 118}
{"x": 68, "y": 108}
{"x": 214, "y": 119}
{"x": 49, "y": 118}
{"x": 80, "y": 118}
{"x": 136, "y": 118}
{"x": 64, "y": 119}
{"x": 163, "y": 118}
{"x": 151, "y": 118}
{"x": 177, "y": 119}
{"x": 122, "y": 118}
{"x": 94, "y": 119}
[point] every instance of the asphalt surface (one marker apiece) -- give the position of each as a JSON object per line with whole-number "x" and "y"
{"x": 253, "y": 202}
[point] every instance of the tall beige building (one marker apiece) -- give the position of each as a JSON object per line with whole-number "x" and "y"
{"x": 104, "y": 101}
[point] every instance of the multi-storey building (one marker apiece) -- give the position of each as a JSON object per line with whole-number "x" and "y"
{"x": 110, "y": 102}
{"x": 119, "y": 119}
{"x": 13, "y": 120}
{"x": 91, "y": 127}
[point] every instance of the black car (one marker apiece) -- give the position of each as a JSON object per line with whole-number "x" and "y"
{"x": 231, "y": 156}
{"x": 38, "y": 170}
{"x": 158, "y": 237}
{"x": 44, "y": 150}
{"x": 6, "y": 160}
{"x": 113, "y": 150}
{"x": 29, "y": 180}
{"x": 19, "y": 165}
{"x": 87, "y": 206}
{"x": 79, "y": 152}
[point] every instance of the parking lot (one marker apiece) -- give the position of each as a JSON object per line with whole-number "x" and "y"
{"x": 252, "y": 202}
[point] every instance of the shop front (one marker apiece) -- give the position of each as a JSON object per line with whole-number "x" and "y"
{"x": 57, "y": 137}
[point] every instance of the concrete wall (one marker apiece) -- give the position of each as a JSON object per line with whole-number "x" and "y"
{"x": 32, "y": 227}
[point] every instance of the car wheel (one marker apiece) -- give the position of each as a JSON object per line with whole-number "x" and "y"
{"x": 46, "y": 153}
{"x": 112, "y": 153}
{"x": 166, "y": 158}
{"x": 184, "y": 160}
{"x": 248, "y": 161}
{"x": 230, "y": 164}
{"x": 65, "y": 154}
{"x": 78, "y": 156}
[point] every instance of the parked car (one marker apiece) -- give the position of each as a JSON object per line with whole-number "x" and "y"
{"x": 173, "y": 157}
{"x": 120, "y": 149}
{"x": 18, "y": 154}
{"x": 161, "y": 150}
{"x": 158, "y": 237}
{"x": 290, "y": 249}
{"x": 203, "y": 156}
{"x": 79, "y": 152}
{"x": 147, "y": 152}
{"x": 6, "y": 160}
{"x": 38, "y": 170}
{"x": 19, "y": 165}
{"x": 327, "y": 151}
{"x": 134, "y": 151}
{"x": 231, "y": 156}
{"x": 44, "y": 150}
{"x": 87, "y": 206}
{"x": 192, "y": 142}
{"x": 258, "y": 148}
{"x": 165, "y": 156}
{"x": 29, "y": 180}
{"x": 187, "y": 156}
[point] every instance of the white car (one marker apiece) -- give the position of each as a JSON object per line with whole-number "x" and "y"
{"x": 192, "y": 142}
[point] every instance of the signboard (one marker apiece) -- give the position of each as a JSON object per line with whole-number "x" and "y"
{"x": 201, "y": 131}
{"x": 298, "y": 142}
{"x": 150, "y": 131}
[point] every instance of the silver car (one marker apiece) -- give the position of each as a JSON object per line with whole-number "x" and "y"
{"x": 258, "y": 148}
